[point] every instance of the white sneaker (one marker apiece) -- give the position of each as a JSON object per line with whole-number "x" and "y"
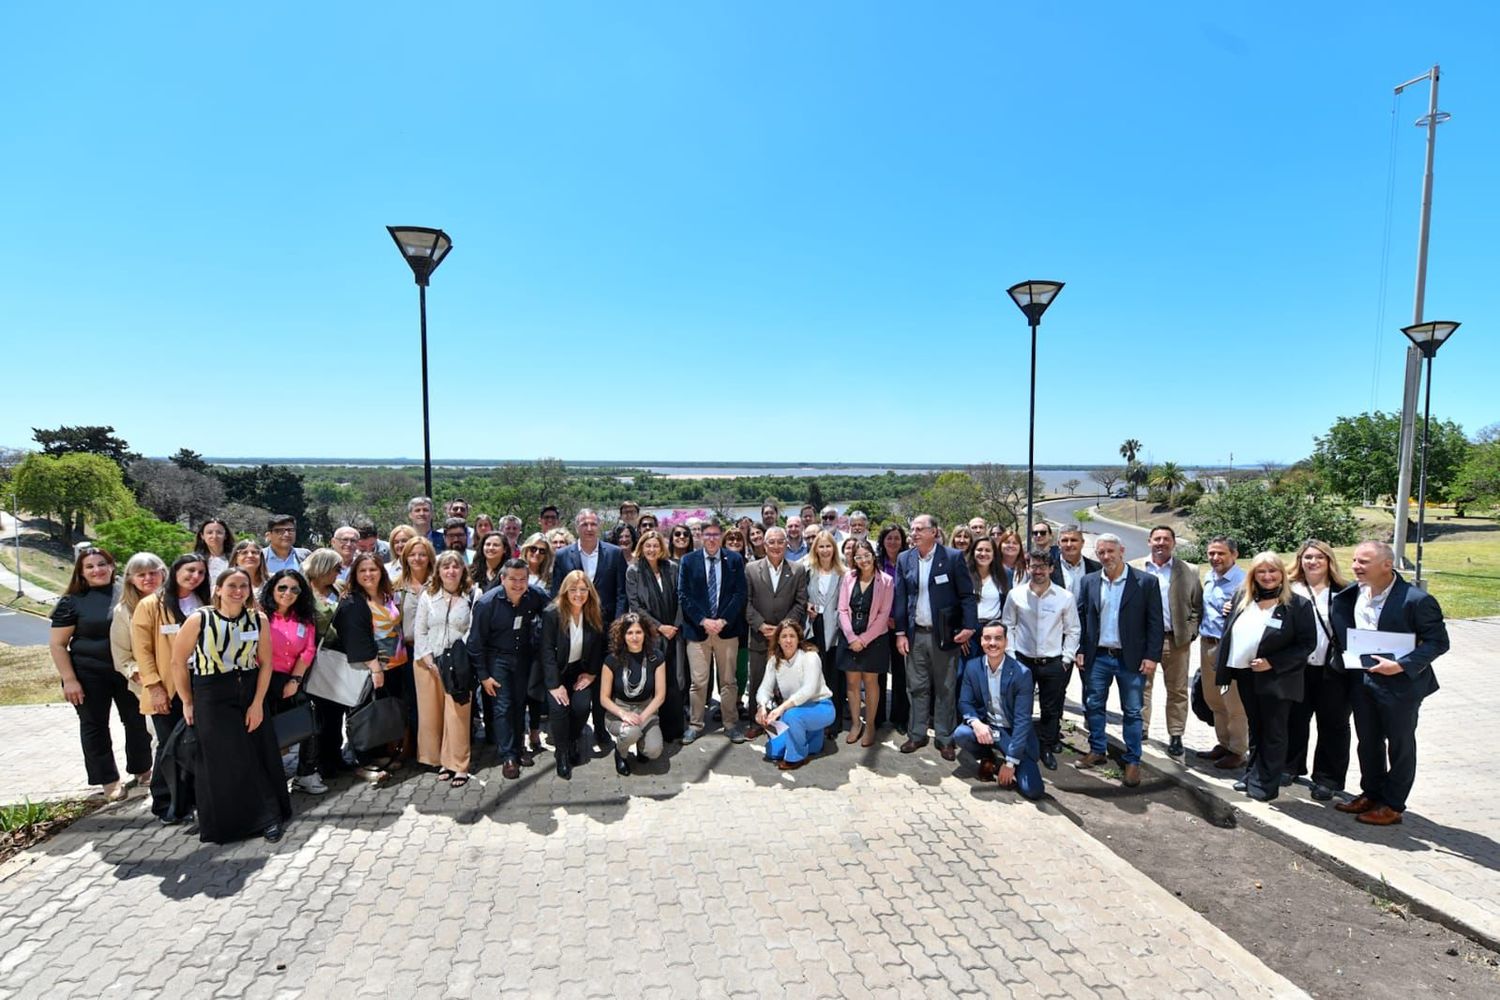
{"x": 312, "y": 784}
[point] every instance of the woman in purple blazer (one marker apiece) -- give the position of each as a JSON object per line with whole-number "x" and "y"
{"x": 864, "y": 651}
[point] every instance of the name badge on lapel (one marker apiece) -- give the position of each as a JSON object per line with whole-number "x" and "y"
{"x": 250, "y": 633}
{"x": 515, "y": 624}
{"x": 940, "y": 578}
{"x": 1273, "y": 623}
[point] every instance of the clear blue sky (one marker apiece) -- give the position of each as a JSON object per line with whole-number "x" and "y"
{"x": 758, "y": 231}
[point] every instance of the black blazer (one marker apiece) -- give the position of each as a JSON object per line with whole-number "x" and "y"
{"x": 1288, "y": 639}
{"x": 1089, "y": 566}
{"x": 655, "y": 602}
{"x": 609, "y": 576}
{"x": 554, "y": 650}
{"x": 1407, "y": 609}
{"x": 1140, "y": 618}
{"x": 354, "y": 628}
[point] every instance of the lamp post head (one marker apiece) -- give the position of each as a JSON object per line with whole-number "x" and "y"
{"x": 1428, "y": 337}
{"x": 1033, "y": 297}
{"x": 422, "y": 248}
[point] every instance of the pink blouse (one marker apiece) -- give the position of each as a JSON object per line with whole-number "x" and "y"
{"x": 292, "y": 642}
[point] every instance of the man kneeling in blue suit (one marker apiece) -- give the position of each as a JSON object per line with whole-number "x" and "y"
{"x": 994, "y": 699}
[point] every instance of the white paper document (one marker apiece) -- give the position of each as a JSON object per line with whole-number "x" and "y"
{"x": 1373, "y": 642}
{"x": 777, "y": 727}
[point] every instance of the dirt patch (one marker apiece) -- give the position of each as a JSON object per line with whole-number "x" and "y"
{"x": 1322, "y": 933}
{"x": 48, "y": 819}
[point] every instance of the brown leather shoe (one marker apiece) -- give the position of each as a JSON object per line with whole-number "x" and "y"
{"x": 791, "y": 765}
{"x": 752, "y": 731}
{"x": 1380, "y": 816}
{"x": 1089, "y": 760}
{"x": 511, "y": 770}
{"x": 1363, "y": 804}
{"x": 1218, "y": 751}
{"x": 949, "y": 752}
{"x": 912, "y": 746}
{"x": 1132, "y": 775}
{"x": 1230, "y": 762}
{"x": 988, "y": 769}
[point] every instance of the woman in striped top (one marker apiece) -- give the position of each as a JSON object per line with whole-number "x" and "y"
{"x": 223, "y": 671}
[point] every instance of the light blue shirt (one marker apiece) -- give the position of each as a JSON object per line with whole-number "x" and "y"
{"x": 1217, "y": 592}
{"x": 794, "y": 554}
{"x": 1110, "y": 596}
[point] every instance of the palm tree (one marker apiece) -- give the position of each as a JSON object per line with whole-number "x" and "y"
{"x": 1129, "y": 449}
{"x": 1167, "y": 476}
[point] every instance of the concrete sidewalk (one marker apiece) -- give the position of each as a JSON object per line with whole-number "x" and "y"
{"x": 1445, "y": 855}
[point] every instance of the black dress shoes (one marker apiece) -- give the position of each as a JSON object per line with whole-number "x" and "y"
{"x": 1322, "y": 793}
{"x": 273, "y": 833}
{"x": 565, "y": 766}
{"x": 622, "y": 766}
{"x": 1049, "y": 760}
{"x": 1174, "y": 747}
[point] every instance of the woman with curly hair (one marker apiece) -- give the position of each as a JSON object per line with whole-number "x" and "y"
{"x": 632, "y": 689}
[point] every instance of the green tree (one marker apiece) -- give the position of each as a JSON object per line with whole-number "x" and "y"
{"x": 274, "y": 487}
{"x": 1137, "y": 474}
{"x": 1129, "y": 449}
{"x": 71, "y": 489}
{"x": 86, "y": 439}
{"x": 952, "y": 498}
{"x": 1359, "y": 457}
{"x": 815, "y": 495}
{"x": 140, "y": 532}
{"x": 1168, "y": 478}
{"x": 1478, "y": 481}
{"x": 1002, "y": 494}
{"x": 1262, "y": 519}
{"x": 1072, "y": 486}
{"x": 187, "y": 458}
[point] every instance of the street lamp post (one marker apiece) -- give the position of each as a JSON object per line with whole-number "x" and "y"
{"x": 1427, "y": 338}
{"x": 423, "y": 249}
{"x": 1033, "y": 298}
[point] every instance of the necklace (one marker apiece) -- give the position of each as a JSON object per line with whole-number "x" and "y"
{"x": 633, "y": 691}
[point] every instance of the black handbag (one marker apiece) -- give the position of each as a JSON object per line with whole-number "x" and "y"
{"x": 946, "y": 624}
{"x": 376, "y": 722}
{"x": 296, "y": 723}
{"x": 457, "y": 672}
{"x": 1200, "y": 703}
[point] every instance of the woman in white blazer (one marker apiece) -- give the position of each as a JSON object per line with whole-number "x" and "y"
{"x": 794, "y": 698}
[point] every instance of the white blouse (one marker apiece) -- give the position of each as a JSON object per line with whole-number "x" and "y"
{"x": 442, "y": 620}
{"x": 1320, "y": 603}
{"x": 823, "y": 592}
{"x": 1244, "y": 637}
{"x": 799, "y": 679}
{"x": 990, "y": 604}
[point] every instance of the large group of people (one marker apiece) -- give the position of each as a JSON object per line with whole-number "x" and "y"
{"x": 634, "y": 642}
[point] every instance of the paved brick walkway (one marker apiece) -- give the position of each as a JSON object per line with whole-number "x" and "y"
{"x": 1446, "y": 852}
{"x": 717, "y": 876}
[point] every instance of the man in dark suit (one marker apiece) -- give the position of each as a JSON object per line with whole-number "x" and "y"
{"x": 775, "y": 591}
{"x": 1120, "y": 609}
{"x": 1390, "y": 692}
{"x": 1069, "y": 564}
{"x": 994, "y": 700}
{"x": 933, "y": 591}
{"x": 711, "y": 594}
{"x": 604, "y": 565}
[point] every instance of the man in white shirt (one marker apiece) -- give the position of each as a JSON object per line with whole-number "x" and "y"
{"x": 1181, "y": 610}
{"x": 345, "y": 541}
{"x": 776, "y": 590}
{"x": 1042, "y": 620}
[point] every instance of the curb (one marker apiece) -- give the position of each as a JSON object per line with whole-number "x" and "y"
{"x": 1094, "y": 515}
{"x": 1227, "y": 806}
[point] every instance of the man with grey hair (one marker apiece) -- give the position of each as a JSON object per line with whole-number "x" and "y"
{"x": 419, "y": 516}
{"x": 510, "y": 527}
{"x": 859, "y": 527}
{"x": 1390, "y": 689}
{"x": 936, "y": 613}
{"x": 1231, "y": 726}
{"x": 828, "y": 517}
{"x": 345, "y": 542}
{"x": 775, "y": 590}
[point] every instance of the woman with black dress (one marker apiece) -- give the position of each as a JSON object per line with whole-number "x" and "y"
{"x": 651, "y": 588}
{"x": 81, "y": 652}
{"x": 572, "y": 653}
{"x": 633, "y": 688}
{"x": 864, "y": 654}
{"x": 223, "y": 670}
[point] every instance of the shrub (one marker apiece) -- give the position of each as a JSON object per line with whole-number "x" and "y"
{"x": 1260, "y": 519}
{"x": 140, "y": 532}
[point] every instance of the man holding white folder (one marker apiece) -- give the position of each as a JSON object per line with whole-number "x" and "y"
{"x": 1392, "y": 632}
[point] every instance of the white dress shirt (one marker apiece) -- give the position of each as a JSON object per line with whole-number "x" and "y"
{"x": 924, "y": 571}
{"x": 589, "y": 561}
{"x": 1073, "y": 575}
{"x": 1042, "y": 626}
{"x": 1163, "y": 575}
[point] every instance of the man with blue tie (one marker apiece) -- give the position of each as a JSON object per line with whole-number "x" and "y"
{"x": 1120, "y": 609}
{"x": 995, "y": 698}
{"x": 711, "y": 593}
{"x": 604, "y": 565}
{"x": 934, "y": 594}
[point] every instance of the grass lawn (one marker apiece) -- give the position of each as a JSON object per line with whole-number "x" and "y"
{"x": 15, "y": 603}
{"x": 43, "y": 563}
{"x": 27, "y": 676}
{"x": 1129, "y": 510}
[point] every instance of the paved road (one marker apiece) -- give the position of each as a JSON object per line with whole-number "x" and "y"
{"x": 1066, "y": 511}
{"x": 20, "y": 629}
{"x": 714, "y": 875}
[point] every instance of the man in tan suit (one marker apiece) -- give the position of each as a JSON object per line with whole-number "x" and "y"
{"x": 1182, "y": 610}
{"x": 775, "y": 591}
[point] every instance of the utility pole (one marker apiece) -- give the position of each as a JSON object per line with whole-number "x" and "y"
{"x": 1430, "y": 121}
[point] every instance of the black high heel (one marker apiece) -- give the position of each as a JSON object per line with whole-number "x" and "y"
{"x": 565, "y": 765}
{"x": 622, "y": 766}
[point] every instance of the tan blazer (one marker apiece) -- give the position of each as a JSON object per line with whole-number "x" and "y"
{"x": 1185, "y": 599}
{"x": 120, "y": 648}
{"x": 153, "y": 648}
{"x": 764, "y": 606}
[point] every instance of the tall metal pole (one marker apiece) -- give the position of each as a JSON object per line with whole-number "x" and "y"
{"x": 1422, "y": 489}
{"x": 1413, "y": 355}
{"x": 1031, "y": 441}
{"x": 426, "y": 430}
{"x": 15, "y": 522}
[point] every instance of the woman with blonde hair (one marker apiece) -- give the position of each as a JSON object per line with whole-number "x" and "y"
{"x": 1326, "y": 684}
{"x": 572, "y": 653}
{"x": 560, "y": 538}
{"x": 1267, "y": 640}
{"x": 444, "y": 613}
{"x": 794, "y": 695}
{"x": 538, "y": 553}
{"x": 417, "y": 573}
{"x": 400, "y": 535}
{"x": 143, "y": 575}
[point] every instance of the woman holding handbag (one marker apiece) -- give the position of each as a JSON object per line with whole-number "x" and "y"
{"x": 651, "y": 588}
{"x": 572, "y": 653}
{"x": 1267, "y": 640}
{"x": 291, "y": 613}
{"x": 1326, "y": 684}
{"x": 368, "y": 622}
{"x": 223, "y": 669}
{"x": 443, "y": 616}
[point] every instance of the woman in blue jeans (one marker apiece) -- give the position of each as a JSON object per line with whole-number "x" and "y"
{"x": 795, "y": 673}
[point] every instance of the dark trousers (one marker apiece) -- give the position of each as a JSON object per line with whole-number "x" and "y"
{"x": 101, "y": 689}
{"x": 1267, "y": 716}
{"x": 1385, "y": 718}
{"x": 329, "y": 758}
{"x": 601, "y": 735}
{"x": 566, "y": 722}
{"x": 171, "y": 791}
{"x": 1051, "y": 689}
{"x": 1326, "y": 698}
{"x": 276, "y": 703}
{"x": 671, "y": 715}
{"x": 508, "y": 711}
{"x": 836, "y": 679}
{"x": 400, "y": 683}
{"x": 895, "y": 707}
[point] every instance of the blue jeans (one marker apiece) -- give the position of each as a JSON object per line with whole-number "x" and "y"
{"x": 1028, "y": 774}
{"x": 1132, "y": 685}
{"x": 804, "y": 732}
{"x": 507, "y": 721}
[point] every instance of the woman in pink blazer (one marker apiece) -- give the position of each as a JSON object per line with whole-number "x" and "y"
{"x": 864, "y": 654}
